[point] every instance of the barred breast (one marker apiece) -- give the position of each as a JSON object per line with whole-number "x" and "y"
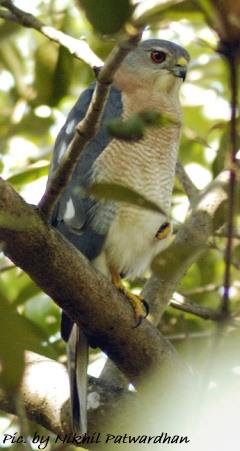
{"x": 148, "y": 167}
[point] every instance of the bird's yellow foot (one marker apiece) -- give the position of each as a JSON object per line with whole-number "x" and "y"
{"x": 163, "y": 231}
{"x": 140, "y": 306}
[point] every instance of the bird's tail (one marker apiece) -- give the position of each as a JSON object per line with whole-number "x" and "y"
{"x": 77, "y": 355}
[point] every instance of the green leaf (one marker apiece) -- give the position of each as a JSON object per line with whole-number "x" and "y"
{"x": 132, "y": 129}
{"x": 17, "y": 334}
{"x": 106, "y": 16}
{"x": 1, "y": 166}
{"x": 26, "y": 293}
{"x": 46, "y": 58}
{"x": 171, "y": 10}
{"x": 62, "y": 76}
{"x": 29, "y": 175}
{"x": 43, "y": 312}
{"x": 7, "y": 29}
{"x": 119, "y": 193}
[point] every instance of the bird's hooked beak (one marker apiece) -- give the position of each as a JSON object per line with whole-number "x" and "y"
{"x": 180, "y": 69}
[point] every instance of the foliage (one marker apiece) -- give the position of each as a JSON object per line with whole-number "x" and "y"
{"x": 39, "y": 83}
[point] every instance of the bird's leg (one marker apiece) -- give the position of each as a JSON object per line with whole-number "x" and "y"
{"x": 139, "y": 305}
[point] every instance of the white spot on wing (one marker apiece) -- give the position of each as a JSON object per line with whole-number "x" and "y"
{"x": 70, "y": 127}
{"x": 70, "y": 210}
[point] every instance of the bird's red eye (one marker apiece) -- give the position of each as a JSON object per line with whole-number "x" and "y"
{"x": 158, "y": 57}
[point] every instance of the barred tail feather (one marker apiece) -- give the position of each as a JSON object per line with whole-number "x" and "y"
{"x": 77, "y": 353}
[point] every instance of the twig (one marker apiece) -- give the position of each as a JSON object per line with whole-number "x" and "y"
{"x": 209, "y": 288}
{"x": 223, "y": 234}
{"x": 87, "y": 128}
{"x": 232, "y": 55}
{"x": 23, "y": 421}
{"x": 194, "y": 309}
{"x": 79, "y": 48}
{"x": 195, "y": 335}
{"x": 188, "y": 186}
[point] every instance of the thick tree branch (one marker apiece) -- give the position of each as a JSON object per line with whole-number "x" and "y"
{"x": 87, "y": 297}
{"x": 226, "y": 20}
{"x": 45, "y": 393}
{"x": 190, "y": 243}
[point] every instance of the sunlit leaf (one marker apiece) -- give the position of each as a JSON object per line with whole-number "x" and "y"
{"x": 169, "y": 9}
{"x": 29, "y": 175}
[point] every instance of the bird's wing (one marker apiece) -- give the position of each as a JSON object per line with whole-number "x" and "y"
{"x": 82, "y": 220}
{"x": 76, "y": 214}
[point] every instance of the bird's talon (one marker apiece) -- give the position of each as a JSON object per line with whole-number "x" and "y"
{"x": 138, "y": 322}
{"x": 139, "y": 305}
{"x": 146, "y": 307}
{"x": 140, "y": 317}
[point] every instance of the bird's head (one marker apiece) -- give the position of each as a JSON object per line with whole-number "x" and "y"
{"x": 155, "y": 64}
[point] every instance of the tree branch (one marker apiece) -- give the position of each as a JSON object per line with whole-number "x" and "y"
{"x": 8, "y": 16}
{"x": 79, "y": 48}
{"x": 190, "y": 243}
{"x": 195, "y": 309}
{"x": 87, "y": 297}
{"x": 188, "y": 186}
{"x": 45, "y": 393}
{"x": 232, "y": 57}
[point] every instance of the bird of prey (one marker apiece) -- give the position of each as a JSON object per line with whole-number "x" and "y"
{"x": 120, "y": 238}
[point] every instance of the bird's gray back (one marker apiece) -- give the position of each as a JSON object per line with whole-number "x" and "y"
{"x": 75, "y": 210}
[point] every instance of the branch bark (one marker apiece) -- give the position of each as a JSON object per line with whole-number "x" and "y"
{"x": 45, "y": 393}
{"x": 190, "y": 189}
{"x": 232, "y": 59}
{"x": 195, "y": 309}
{"x": 87, "y": 297}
